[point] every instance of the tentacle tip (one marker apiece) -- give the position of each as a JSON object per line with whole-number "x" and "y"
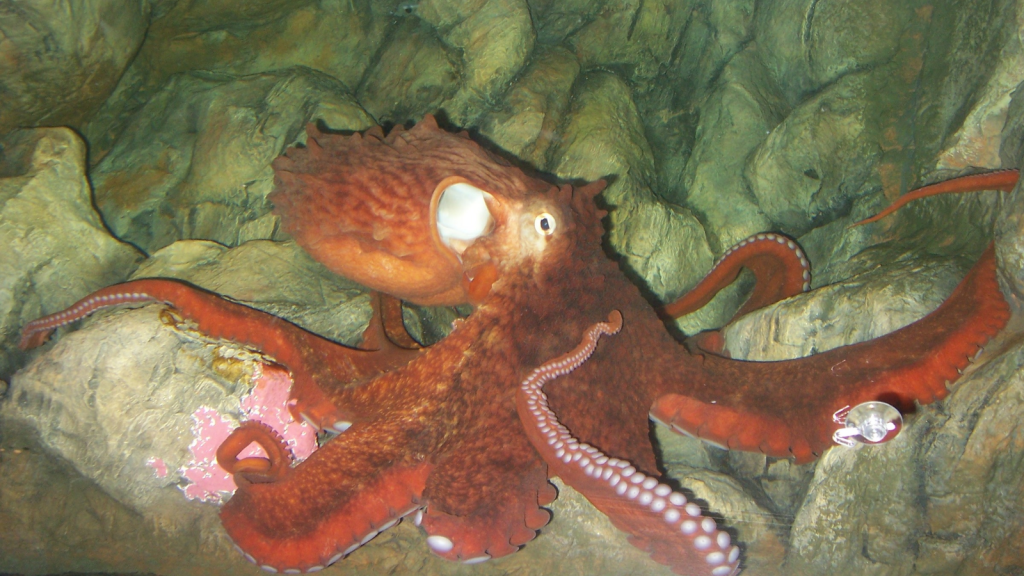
{"x": 860, "y": 223}
{"x": 33, "y": 339}
{"x": 273, "y": 466}
{"x": 615, "y": 320}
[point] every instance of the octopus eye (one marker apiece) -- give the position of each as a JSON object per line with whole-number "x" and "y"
{"x": 544, "y": 224}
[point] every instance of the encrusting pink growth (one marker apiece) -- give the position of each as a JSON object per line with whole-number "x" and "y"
{"x": 662, "y": 522}
{"x": 266, "y": 403}
{"x": 159, "y": 466}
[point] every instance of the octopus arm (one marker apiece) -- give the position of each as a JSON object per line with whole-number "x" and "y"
{"x": 779, "y": 266}
{"x": 745, "y": 405}
{"x": 485, "y": 492}
{"x": 660, "y": 521}
{"x": 316, "y": 364}
{"x": 389, "y": 332}
{"x": 356, "y": 486}
{"x": 485, "y": 497}
{"x": 1003, "y": 180}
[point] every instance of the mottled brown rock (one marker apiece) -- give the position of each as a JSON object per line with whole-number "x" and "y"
{"x": 735, "y": 118}
{"x": 978, "y": 140}
{"x": 604, "y": 138}
{"x": 809, "y": 44}
{"x": 56, "y": 249}
{"x": 60, "y": 60}
{"x": 802, "y": 175}
{"x": 528, "y": 122}
{"x": 648, "y": 39}
{"x": 195, "y": 162}
{"x": 1010, "y": 224}
{"x": 414, "y": 74}
{"x": 493, "y": 39}
{"x": 556, "y": 20}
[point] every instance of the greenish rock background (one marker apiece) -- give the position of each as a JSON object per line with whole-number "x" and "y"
{"x": 136, "y": 138}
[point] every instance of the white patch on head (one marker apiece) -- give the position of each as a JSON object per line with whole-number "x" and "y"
{"x": 462, "y": 216}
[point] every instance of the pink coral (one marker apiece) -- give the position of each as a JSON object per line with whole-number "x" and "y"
{"x": 267, "y": 402}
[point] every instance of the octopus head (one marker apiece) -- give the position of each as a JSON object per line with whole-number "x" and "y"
{"x": 423, "y": 214}
{"x": 493, "y": 235}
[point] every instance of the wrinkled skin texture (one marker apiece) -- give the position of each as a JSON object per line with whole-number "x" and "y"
{"x": 438, "y": 429}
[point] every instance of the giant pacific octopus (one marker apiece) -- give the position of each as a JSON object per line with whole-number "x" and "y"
{"x": 463, "y": 435}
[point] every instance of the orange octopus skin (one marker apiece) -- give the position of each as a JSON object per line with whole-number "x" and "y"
{"x": 1003, "y": 180}
{"x": 778, "y": 264}
{"x": 363, "y": 208}
{"x": 423, "y": 441}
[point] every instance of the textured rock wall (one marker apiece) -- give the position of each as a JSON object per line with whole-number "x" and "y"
{"x": 60, "y": 60}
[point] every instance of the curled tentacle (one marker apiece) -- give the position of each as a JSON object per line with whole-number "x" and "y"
{"x": 778, "y": 264}
{"x": 353, "y": 488}
{"x": 250, "y": 470}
